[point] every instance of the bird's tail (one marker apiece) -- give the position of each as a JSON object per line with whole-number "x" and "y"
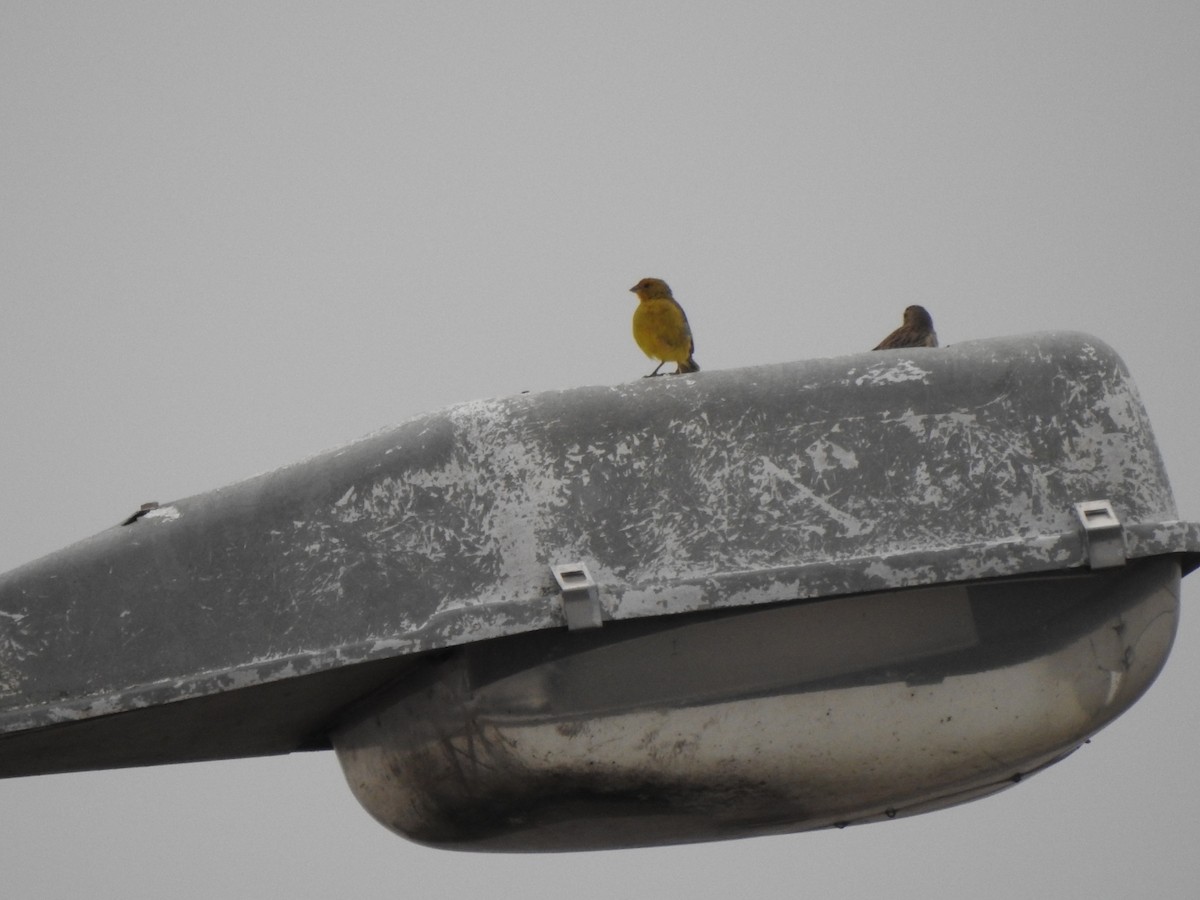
{"x": 690, "y": 365}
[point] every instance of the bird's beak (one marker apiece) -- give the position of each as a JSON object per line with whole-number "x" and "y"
{"x": 633, "y": 290}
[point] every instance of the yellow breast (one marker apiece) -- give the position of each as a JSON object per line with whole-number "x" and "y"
{"x": 661, "y": 330}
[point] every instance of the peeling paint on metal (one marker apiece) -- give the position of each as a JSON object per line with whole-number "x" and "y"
{"x": 166, "y": 513}
{"x": 863, "y": 473}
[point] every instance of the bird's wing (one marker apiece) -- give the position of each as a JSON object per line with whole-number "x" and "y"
{"x": 890, "y": 341}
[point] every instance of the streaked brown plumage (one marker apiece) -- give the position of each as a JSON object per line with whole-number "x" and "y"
{"x": 661, "y": 328}
{"x": 917, "y": 331}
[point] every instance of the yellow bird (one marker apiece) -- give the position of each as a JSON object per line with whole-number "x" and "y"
{"x": 661, "y": 328}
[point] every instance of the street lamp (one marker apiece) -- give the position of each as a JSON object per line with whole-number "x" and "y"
{"x": 745, "y": 602}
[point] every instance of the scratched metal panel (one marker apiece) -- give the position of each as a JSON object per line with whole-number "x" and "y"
{"x": 727, "y": 488}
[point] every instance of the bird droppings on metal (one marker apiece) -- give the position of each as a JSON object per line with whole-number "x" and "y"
{"x": 732, "y": 488}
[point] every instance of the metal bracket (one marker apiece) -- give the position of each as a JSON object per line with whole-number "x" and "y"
{"x": 580, "y": 596}
{"x": 1103, "y": 534}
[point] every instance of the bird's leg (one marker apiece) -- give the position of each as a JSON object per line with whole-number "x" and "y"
{"x": 656, "y": 368}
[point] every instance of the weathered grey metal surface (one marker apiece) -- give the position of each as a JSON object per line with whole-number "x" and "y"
{"x": 723, "y": 489}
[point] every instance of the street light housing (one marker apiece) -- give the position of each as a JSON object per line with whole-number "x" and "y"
{"x": 693, "y": 607}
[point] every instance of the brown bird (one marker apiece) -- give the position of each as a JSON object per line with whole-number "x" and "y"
{"x": 917, "y": 331}
{"x": 661, "y": 328}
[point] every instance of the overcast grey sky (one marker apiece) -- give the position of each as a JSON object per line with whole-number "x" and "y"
{"x": 232, "y": 237}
